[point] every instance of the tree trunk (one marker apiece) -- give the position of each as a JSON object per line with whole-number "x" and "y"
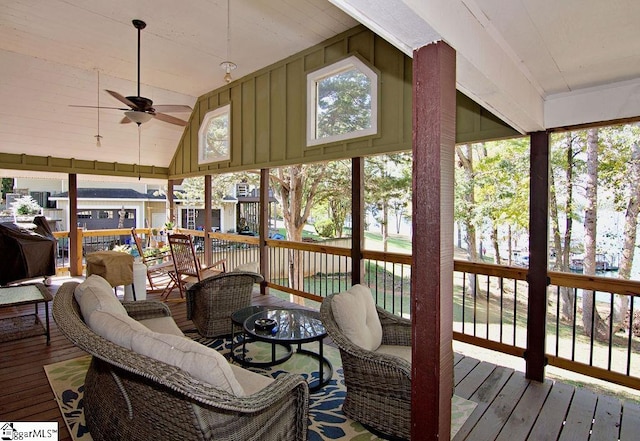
{"x": 496, "y": 245}
{"x": 621, "y": 305}
{"x": 567, "y": 295}
{"x": 591, "y": 320}
{"x": 466, "y": 159}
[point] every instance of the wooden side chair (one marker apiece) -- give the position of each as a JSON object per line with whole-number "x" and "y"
{"x": 187, "y": 267}
{"x": 159, "y": 266}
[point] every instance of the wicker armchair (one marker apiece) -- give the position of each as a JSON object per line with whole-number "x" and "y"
{"x": 129, "y": 396}
{"x": 378, "y": 385}
{"x": 211, "y": 302}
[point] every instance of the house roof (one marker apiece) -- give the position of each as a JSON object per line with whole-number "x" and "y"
{"x": 109, "y": 193}
{"x": 536, "y": 64}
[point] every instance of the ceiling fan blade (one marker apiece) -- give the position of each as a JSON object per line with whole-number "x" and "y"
{"x": 172, "y": 108}
{"x": 98, "y": 107}
{"x": 125, "y": 120}
{"x": 122, "y": 99}
{"x": 170, "y": 119}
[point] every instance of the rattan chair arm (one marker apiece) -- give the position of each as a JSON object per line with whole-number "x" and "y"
{"x": 146, "y": 309}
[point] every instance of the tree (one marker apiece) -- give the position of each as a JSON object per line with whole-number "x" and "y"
{"x": 564, "y": 164}
{"x": 465, "y": 206}
{"x": 295, "y": 188}
{"x": 502, "y": 189}
{"x": 621, "y": 176}
{"x": 7, "y": 186}
{"x": 387, "y": 178}
{"x": 332, "y": 196}
{"x": 592, "y": 322}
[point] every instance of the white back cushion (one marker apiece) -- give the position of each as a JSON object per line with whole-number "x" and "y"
{"x": 356, "y": 316}
{"x": 203, "y": 363}
{"x": 96, "y": 294}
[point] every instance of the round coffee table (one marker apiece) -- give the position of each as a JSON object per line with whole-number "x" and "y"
{"x": 237, "y": 319}
{"x": 294, "y": 326}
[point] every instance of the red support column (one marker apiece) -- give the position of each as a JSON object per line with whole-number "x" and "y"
{"x": 357, "y": 219}
{"x": 538, "y": 251}
{"x": 434, "y": 112}
{"x": 264, "y": 229}
{"x": 75, "y": 257}
{"x": 208, "y": 220}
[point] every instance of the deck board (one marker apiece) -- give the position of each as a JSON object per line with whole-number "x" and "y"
{"x": 551, "y": 417}
{"x": 579, "y": 419}
{"x": 526, "y": 412}
{"x": 630, "y": 424}
{"x": 497, "y": 415}
{"x": 606, "y": 422}
{"x": 509, "y": 408}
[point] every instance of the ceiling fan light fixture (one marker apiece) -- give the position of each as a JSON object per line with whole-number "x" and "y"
{"x": 228, "y": 66}
{"x": 138, "y": 117}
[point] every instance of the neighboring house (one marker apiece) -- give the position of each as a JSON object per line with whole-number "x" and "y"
{"x": 105, "y": 208}
{"x": 103, "y": 205}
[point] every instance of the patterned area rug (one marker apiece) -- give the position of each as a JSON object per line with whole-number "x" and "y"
{"x": 327, "y": 422}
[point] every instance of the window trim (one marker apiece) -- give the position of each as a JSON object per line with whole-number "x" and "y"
{"x": 202, "y": 138}
{"x": 314, "y": 77}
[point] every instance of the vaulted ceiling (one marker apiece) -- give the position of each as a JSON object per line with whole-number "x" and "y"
{"x": 535, "y": 63}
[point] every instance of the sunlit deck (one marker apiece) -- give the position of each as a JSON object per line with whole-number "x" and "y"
{"x": 509, "y": 406}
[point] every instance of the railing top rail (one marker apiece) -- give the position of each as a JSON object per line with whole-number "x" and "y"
{"x": 405, "y": 259}
{"x": 307, "y": 246}
{"x": 490, "y": 269}
{"x": 254, "y": 240}
{"x": 597, "y": 283}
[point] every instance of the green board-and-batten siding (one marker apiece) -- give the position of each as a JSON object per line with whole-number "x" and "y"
{"x": 269, "y": 108}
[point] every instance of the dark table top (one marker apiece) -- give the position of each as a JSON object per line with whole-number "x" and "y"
{"x": 293, "y": 326}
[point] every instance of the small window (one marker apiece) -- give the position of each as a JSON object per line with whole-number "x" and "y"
{"x": 342, "y": 102}
{"x": 84, "y": 214}
{"x": 214, "y": 136}
{"x": 105, "y": 214}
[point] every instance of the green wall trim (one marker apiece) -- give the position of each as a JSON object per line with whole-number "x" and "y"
{"x": 12, "y": 161}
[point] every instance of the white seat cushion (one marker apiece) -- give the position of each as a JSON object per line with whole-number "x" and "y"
{"x": 163, "y": 325}
{"x": 96, "y": 294}
{"x": 250, "y": 381}
{"x": 395, "y": 350}
{"x": 357, "y": 317}
{"x": 203, "y": 363}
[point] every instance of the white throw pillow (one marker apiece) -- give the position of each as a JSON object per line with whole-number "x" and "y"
{"x": 203, "y": 363}
{"x": 116, "y": 328}
{"x": 96, "y": 294}
{"x": 356, "y": 316}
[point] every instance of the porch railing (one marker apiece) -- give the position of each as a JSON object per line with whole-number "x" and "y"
{"x": 490, "y": 301}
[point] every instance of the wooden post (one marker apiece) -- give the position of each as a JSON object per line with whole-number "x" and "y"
{"x": 264, "y": 229}
{"x": 538, "y": 246}
{"x": 357, "y": 220}
{"x": 75, "y": 238}
{"x": 171, "y": 215}
{"x": 208, "y": 220}
{"x": 434, "y": 112}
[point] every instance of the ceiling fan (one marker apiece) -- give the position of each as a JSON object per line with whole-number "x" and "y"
{"x": 141, "y": 109}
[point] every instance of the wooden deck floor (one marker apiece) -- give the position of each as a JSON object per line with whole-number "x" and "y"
{"x": 509, "y": 406}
